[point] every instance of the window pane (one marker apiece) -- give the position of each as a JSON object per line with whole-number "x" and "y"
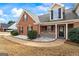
{"x": 55, "y": 13}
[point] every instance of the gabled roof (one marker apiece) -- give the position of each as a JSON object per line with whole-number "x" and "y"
{"x": 34, "y": 17}
{"x": 3, "y": 25}
{"x": 75, "y": 6}
{"x": 68, "y": 15}
{"x": 44, "y": 18}
{"x": 59, "y": 4}
{"x": 13, "y": 26}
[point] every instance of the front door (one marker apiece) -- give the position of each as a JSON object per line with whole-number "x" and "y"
{"x": 61, "y": 31}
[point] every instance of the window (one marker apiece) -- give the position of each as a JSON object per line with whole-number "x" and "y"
{"x": 44, "y": 28}
{"x": 25, "y": 17}
{"x": 55, "y": 14}
{"x": 21, "y": 29}
{"x": 29, "y": 28}
{"x": 59, "y": 12}
{"x": 51, "y": 14}
{"x": 52, "y": 28}
{"x": 48, "y": 28}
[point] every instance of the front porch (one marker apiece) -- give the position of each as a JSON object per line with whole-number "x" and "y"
{"x": 56, "y": 31}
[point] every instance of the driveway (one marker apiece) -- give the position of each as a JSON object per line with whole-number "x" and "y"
{"x": 4, "y": 33}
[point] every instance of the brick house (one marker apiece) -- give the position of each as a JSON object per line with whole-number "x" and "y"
{"x": 56, "y": 22}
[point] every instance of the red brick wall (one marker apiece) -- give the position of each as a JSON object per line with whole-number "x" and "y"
{"x": 76, "y": 24}
{"x": 25, "y": 24}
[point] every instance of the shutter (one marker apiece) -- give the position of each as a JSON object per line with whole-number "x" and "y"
{"x": 59, "y": 12}
{"x": 51, "y": 14}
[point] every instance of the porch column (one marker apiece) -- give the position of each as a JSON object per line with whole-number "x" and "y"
{"x": 55, "y": 31}
{"x": 66, "y": 31}
{"x": 39, "y": 28}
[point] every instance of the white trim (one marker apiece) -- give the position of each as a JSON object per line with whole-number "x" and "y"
{"x": 54, "y": 4}
{"x": 56, "y": 31}
{"x": 39, "y": 29}
{"x": 66, "y": 31}
{"x": 50, "y": 15}
{"x": 60, "y": 22}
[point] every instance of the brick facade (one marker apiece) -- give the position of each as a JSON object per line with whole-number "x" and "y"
{"x": 25, "y": 24}
{"x": 76, "y": 24}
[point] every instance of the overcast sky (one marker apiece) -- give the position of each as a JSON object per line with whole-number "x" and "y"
{"x": 12, "y": 11}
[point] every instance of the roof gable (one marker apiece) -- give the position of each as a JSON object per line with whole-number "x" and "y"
{"x": 56, "y": 6}
{"x": 13, "y": 26}
{"x": 33, "y": 16}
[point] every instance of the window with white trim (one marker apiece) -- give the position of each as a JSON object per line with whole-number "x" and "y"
{"x": 57, "y": 14}
{"x": 29, "y": 28}
{"x": 25, "y": 17}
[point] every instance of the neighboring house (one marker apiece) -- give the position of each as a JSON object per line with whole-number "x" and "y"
{"x": 56, "y": 22}
{"x": 3, "y": 27}
{"x": 12, "y": 27}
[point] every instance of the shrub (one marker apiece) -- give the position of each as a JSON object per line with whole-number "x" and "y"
{"x": 73, "y": 35}
{"x": 32, "y": 34}
{"x": 14, "y": 32}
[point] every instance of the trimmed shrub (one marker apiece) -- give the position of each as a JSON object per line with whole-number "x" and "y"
{"x": 14, "y": 33}
{"x": 73, "y": 35}
{"x": 32, "y": 34}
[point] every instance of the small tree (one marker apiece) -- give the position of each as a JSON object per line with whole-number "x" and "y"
{"x": 11, "y": 22}
{"x": 32, "y": 34}
{"x": 73, "y": 35}
{"x": 14, "y": 33}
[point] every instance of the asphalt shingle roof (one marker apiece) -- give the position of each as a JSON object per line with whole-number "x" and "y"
{"x": 68, "y": 15}
{"x": 3, "y": 25}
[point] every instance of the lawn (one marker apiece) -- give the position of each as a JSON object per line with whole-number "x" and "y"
{"x": 68, "y": 48}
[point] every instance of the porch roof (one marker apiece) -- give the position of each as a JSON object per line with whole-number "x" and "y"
{"x": 59, "y": 22}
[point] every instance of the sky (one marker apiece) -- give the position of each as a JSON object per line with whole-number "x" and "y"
{"x": 12, "y": 11}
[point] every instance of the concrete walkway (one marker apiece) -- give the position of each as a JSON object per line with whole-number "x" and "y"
{"x": 38, "y": 39}
{"x": 35, "y": 44}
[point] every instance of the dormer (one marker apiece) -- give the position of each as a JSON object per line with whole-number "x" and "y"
{"x": 56, "y": 12}
{"x": 76, "y": 8}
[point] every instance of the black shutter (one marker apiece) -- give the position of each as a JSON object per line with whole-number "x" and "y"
{"x": 22, "y": 29}
{"x": 59, "y": 12}
{"x": 51, "y": 14}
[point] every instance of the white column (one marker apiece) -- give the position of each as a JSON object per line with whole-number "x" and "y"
{"x": 55, "y": 31}
{"x": 39, "y": 28}
{"x": 66, "y": 31}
